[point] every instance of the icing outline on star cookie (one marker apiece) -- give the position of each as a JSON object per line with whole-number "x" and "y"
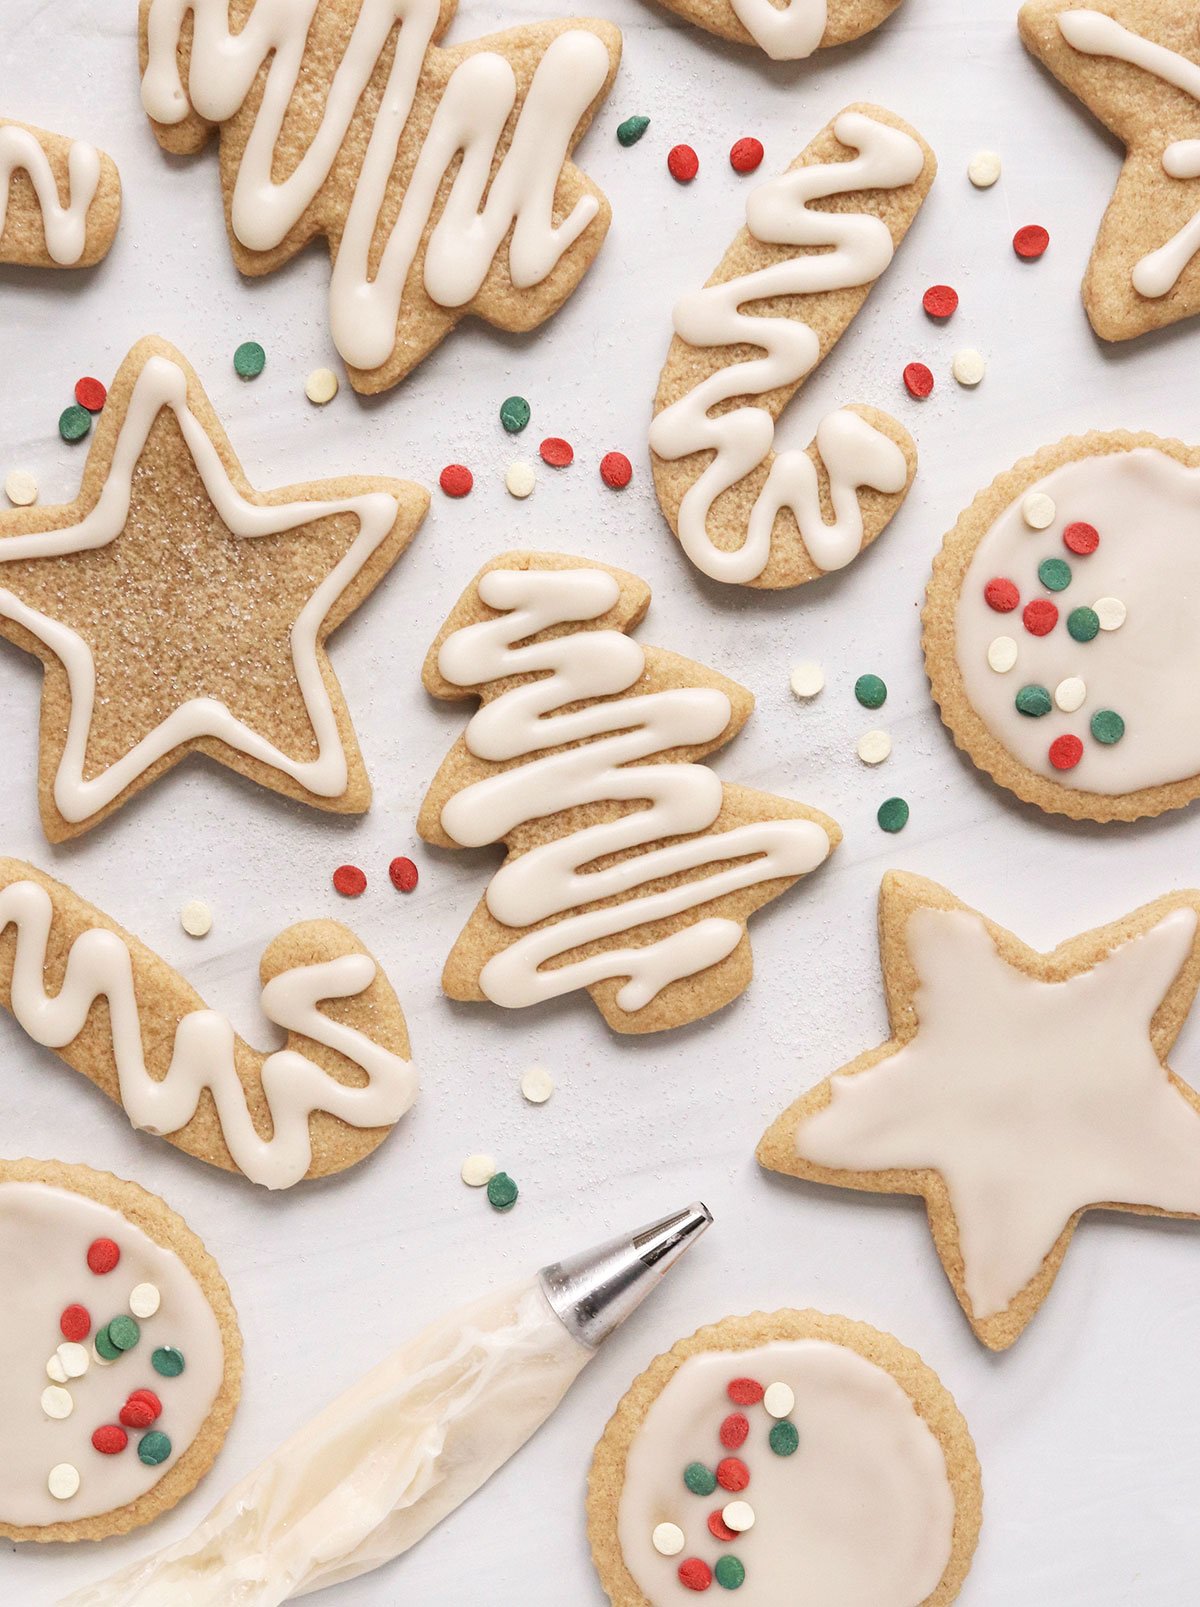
{"x": 38, "y": 227}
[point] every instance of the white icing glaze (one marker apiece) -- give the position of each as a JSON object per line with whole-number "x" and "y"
{"x": 470, "y": 119}
{"x": 64, "y": 227}
{"x": 1094, "y": 34}
{"x": 854, "y": 452}
{"x": 163, "y": 384}
{"x": 44, "y": 1236}
{"x": 99, "y": 966}
{"x": 1032, "y": 1099}
{"x": 861, "y": 1515}
{"x": 1146, "y": 507}
{"x": 787, "y": 33}
{"x": 683, "y": 799}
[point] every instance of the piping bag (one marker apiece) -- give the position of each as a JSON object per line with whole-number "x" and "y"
{"x": 388, "y": 1459}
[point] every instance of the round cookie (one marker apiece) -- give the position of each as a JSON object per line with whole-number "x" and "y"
{"x": 113, "y": 1404}
{"x": 785, "y": 1446}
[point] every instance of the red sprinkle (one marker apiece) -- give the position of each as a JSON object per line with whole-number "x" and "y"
{"x": 918, "y": 379}
{"x": 137, "y": 1413}
{"x": 745, "y": 1391}
{"x": 1001, "y": 595}
{"x": 456, "y": 479}
{"x": 403, "y": 874}
{"x": 733, "y": 1431}
{"x": 90, "y": 394}
{"x": 150, "y": 1398}
{"x": 557, "y": 452}
{"x": 1066, "y": 752}
{"x": 102, "y": 1255}
{"x": 746, "y": 154}
{"x": 683, "y": 164}
{"x": 349, "y": 881}
{"x": 939, "y": 301}
{"x": 1031, "y": 241}
{"x": 695, "y": 1574}
{"x": 110, "y": 1440}
{"x": 718, "y": 1528}
{"x": 76, "y": 1323}
{"x": 616, "y": 470}
{"x": 1081, "y": 538}
{"x": 733, "y": 1474}
{"x": 1040, "y": 616}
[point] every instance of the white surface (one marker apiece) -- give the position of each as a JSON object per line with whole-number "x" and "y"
{"x": 1089, "y": 1430}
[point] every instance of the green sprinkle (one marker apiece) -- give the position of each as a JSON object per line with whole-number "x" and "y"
{"x": 1054, "y": 574}
{"x": 631, "y": 130}
{"x": 153, "y": 1448}
{"x": 105, "y": 1346}
{"x": 892, "y": 816}
{"x": 502, "y": 1192}
{"x": 124, "y": 1332}
{"x": 168, "y": 1361}
{"x": 1107, "y": 726}
{"x": 74, "y": 423}
{"x": 514, "y": 414}
{"x": 1033, "y": 700}
{"x": 784, "y": 1439}
{"x": 870, "y": 691}
{"x": 1083, "y": 623}
{"x": 729, "y": 1573}
{"x": 699, "y": 1479}
{"x": 249, "y": 360}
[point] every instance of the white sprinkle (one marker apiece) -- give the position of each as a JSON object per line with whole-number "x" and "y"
{"x": 537, "y": 1085}
{"x": 1070, "y": 694}
{"x": 144, "y": 1300}
{"x": 62, "y": 1481}
{"x": 74, "y": 1358}
{"x": 478, "y": 1170}
{"x": 55, "y": 1371}
{"x": 1002, "y": 654}
{"x": 56, "y": 1401}
{"x": 874, "y": 747}
{"x": 738, "y": 1516}
{"x": 196, "y": 918}
{"x": 779, "y": 1399}
{"x": 321, "y": 386}
{"x": 668, "y": 1539}
{"x": 1038, "y": 510}
{"x": 807, "y": 678}
{"x": 984, "y": 169}
{"x": 969, "y": 366}
{"x": 21, "y": 488}
{"x": 101, "y": 1361}
{"x": 1110, "y": 611}
{"x": 520, "y": 480}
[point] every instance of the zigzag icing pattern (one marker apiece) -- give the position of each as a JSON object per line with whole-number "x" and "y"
{"x": 64, "y": 227}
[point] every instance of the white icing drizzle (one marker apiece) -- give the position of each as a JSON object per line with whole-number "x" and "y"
{"x": 787, "y": 33}
{"x": 470, "y": 120}
{"x": 99, "y": 965}
{"x": 853, "y": 451}
{"x": 683, "y": 799}
{"x": 64, "y": 227}
{"x": 1094, "y": 34}
{"x": 163, "y": 384}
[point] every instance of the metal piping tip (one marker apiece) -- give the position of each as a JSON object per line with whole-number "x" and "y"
{"x": 593, "y": 1293}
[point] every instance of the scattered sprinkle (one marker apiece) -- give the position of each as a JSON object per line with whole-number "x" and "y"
{"x": 520, "y": 480}
{"x": 153, "y": 1448}
{"x": 1040, "y": 616}
{"x": 694, "y": 1574}
{"x": 99, "y": 1360}
{"x": 167, "y": 1361}
{"x": 746, "y": 154}
{"x": 73, "y": 1358}
{"x": 744, "y": 1391}
{"x": 1002, "y": 654}
{"x": 62, "y": 1481}
{"x": 729, "y": 1573}
{"x": 1038, "y": 510}
{"x": 57, "y": 1402}
{"x": 738, "y": 1516}
{"x": 478, "y": 1170}
{"x": 784, "y": 1439}
{"x": 124, "y": 1332}
{"x": 75, "y": 1323}
{"x": 667, "y": 1539}
{"x": 779, "y": 1400}
{"x": 1111, "y": 613}
{"x": 1107, "y": 726}
{"x": 968, "y": 366}
{"x": 984, "y": 169}
{"x": 719, "y": 1529}
{"x": 699, "y": 1479}
{"x": 918, "y": 380}
{"x": 682, "y": 163}
{"x": 1030, "y": 241}
{"x": 55, "y": 1371}
{"x": 940, "y": 301}
{"x": 874, "y": 747}
{"x": 74, "y": 422}
{"x": 249, "y": 360}
{"x": 456, "y": 479}
{"x": 1070, "y": 694}
{"x": 137, "y": 1413}
{"x": 1001, "y": 594}
{"x": 631, "y": 130}
{"x": 1081, "y": 538}
{"x": 1083, "y": 623}
{"x": 502, "y": 1192}
{"x": 21, "y": 488}
{"x": 196, "y": 918}
{"x": 403, "y": 874}
{"x": 537, "y": 1085}
{"x": 807, "y": 678}
{"x": 321, "y": 386}
{"x": 616, "y": 470}
{"x": 349, "y": 881}
{"x": 732, "y": 1474}
{"x": 90, "y": 393}
{"x": 734, "y": 1431}
{"x": 105, "y": 1350}
{"x": 514, "y": 414}
{"x": 870, "y": 691}
{"x": 1066, "y": 752}
{"x": 110, "y": 1439}
{"x": 144, "y": 1300}
{"x": 1054, "y": 574}
{"x": 892, "y": 816}
{"x": 557, "y": 452}
{"x": 102, "y": 1255}
{"x": 1033, "y": 700}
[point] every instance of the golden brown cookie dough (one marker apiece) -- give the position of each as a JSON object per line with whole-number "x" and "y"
{"x": 799, "y": 28}
{"x": 60, "y": 199}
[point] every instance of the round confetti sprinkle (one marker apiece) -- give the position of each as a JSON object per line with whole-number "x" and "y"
{"x": 249, "y": 360}
{"x": 1034, "y": 701}
{"x": 719, "y": 1529}
{"x": 110, "y": 1439}
{"x": 616, "y": 470}
{"x": 456, "y": 480}
{"x": 984, "y": 169}
{"x": 62, "y": 1481}
{"x": 1070, "y": 694}
{"x": 196, "y": 918}
{"x": 403, "y": 874}
{"x": 55, "y": 1371}
{"x": 738, "y": 1516}
{"x": 940, "y": 301}
{"x": 1040, "y": 616}
{"x": 137, "y": 1414}
{"x": 520, "y": 480}
{"x": 1054, "y": 574}
{"x": 103, "y": 1361}
{"x": 1081, "y": 538}
{"x": 1083, "y": 623}
{"x": 74, "y": 422}
{"x": 167, "y": 1361}
{"x": 349, "y": 881}
{"x": 744, "y": 1391}
{"x": 631, "y": 130}
{"x": 1031, "y": 241}
{"x": 144, "y": 1300}
{"x": 153, "y": 1448}
{"x": 1002, "y": 654}
{"x": 1107, "y": 726}
{"x": 1066, "y": 752}
{"x": 968, "y": 366}
{"x": 321, "y": 386}
{"x": 734, "y": 1431}
{"x": 779, "y": 1400}
{"x": 150, "y": 1398}
{"x": 729, "y": 1573}
{"x": 732, "y": 1474}
{"x": 870, "y": 691}
{"x": 699, "y": 1479}
{"x": 478, "y": 1170}
{"x": 102, "y": 1255}
{"x": 57, "y": 1402}
{"x": 918, "y": 380}
{"x": 514, "y": 414}
{"x": 667, "y": 1539}
{"x": 745, "y": 154}
{"x": 1038, "y": 510}
{"x": 682, "y": 163}
{"x": 21, "y": 488}
{"x": 124, "y": 1332}
{"x": 557, "y": 452}
{"x": 75, "y": 1323}
{"x": 892, "y": 814}
{"x": 874, "y": 747}
{"x": 73, "y": 1358}
{"x": 90, "y": 393}
{"x": 1001, "y": 595}
{"x": 537, "y": 1085}
{"x": 695, "y": 1574}
{"x": 784, "y": 1439}
{"x": 807, "y": 678}
{"x": 105, "y": 1349}
{"x": 502, "y": 1192}
{"x": 1110, "y": 612}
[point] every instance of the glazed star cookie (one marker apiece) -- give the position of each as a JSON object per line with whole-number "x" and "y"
{"x": 631, "y": 869}
{"x": 325, "y": 1100}
{"x": 343, "y": 119}
{"x": 1059, "y": 634}
{"x": 60, "y": 199}
{"x": 120, "y": 1356}
{"x": 789, "y": 32}
{"x": 1017, "y": 1090}
{"x": 791, "y": 1456}
{"x": 1135, "y": 64}
{"x": 178, "y": 611}
{"x": 816, "y": 240}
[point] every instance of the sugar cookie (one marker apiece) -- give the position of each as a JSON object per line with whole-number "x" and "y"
{"x": 60, "y": 199}
{"x": 785, "y": 33}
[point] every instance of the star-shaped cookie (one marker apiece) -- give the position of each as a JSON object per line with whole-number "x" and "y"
{"x": 1017, "y": 1090}
{"x": 178, "y": 611}
{"x": 1135, "y": 64}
